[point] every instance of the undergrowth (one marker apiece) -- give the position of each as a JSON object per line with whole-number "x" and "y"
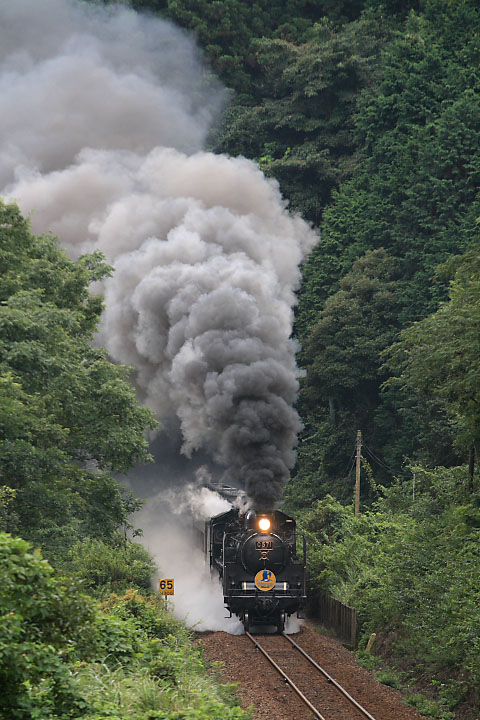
{"x": 410, "y": 565}
{"x": 63, "y": 655}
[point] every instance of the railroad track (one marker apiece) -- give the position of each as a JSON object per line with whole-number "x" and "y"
{"x": 336, "y": 703}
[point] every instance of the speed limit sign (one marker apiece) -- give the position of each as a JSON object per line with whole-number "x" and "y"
{"x": 166, "y": 586}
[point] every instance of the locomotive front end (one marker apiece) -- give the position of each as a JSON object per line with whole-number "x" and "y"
{"x": 263, "y": 579}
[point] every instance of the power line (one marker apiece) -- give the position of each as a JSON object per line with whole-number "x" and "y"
{"x": 350, "y": 464}
{"x": 380, "y": 462}
{"x": 346, "y": 475}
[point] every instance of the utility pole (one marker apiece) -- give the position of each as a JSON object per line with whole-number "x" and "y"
{"x": 357, "y": 473}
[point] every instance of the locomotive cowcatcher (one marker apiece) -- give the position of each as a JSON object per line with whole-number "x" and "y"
{"x": 255, "y": 555}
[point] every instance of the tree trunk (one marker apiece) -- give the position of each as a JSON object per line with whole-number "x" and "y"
{"x": 471, "y": 469}
{"x": 331, "y": 407}
{"x": 476, "y": 454}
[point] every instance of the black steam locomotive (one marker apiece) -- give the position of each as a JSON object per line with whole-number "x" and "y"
{"x": 255, "y": 555}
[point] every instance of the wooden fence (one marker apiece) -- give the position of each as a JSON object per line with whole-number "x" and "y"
{"x": 336, "y": 615}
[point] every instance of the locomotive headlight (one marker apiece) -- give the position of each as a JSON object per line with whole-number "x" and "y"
{"x": 264, "y": 524}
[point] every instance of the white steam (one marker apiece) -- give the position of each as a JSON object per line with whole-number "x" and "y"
{"x": 171, "y": 524}
{"x": 75, "y": 75}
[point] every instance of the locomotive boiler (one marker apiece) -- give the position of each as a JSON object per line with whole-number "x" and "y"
{"x": 255, "y": 555}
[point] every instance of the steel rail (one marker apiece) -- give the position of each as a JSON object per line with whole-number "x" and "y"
{"x": 330, "y": 679}
{"x": 285, "y": 677}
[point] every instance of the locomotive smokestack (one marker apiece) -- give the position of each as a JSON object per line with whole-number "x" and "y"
{"x": 206, "y": 255}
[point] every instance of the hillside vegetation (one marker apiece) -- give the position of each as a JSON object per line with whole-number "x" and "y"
{"x": 62, "y": 655}
{"x": 367, "y": 113}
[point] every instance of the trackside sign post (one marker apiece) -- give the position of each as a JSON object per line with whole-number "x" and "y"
{"x": 166, "y": 586}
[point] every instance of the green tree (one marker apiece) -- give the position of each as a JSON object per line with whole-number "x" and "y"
{"x": 300, "y": 124}
{"x": 357, "y": 323}
{"x": 68, "y": 416}
{"x": 225, "y": 30}
{"x": 44, "y": 624}
{"x": 64, "y": 656}
{"x": 410, "y": 566}
{"x": 341, "y": 392}
{"x": 438, "y": 357}
{"x": 414, "y": 189}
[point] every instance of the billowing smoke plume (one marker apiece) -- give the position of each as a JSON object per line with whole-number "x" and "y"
{"x": 104, "y": 117}
{"x": 75, "y": 75}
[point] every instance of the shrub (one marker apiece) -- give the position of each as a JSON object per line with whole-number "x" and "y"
{"x": 411, "y": 568}
{"x": 44, "y": 624}
{"x": 63, "y": 657}
{"x": 111, "y": 567}
{"x": 148, "y": 614}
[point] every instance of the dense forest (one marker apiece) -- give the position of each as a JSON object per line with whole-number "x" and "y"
{"x": 367, "y": 113}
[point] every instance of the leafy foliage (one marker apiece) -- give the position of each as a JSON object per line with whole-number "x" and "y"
{"x": 344, "y": 368}
{"x": 357, "y": 323}
{"x": 67, "y": 415}
{"x": 411, "y": 568}
{"x": 300, "y": 124}
{"x": 414, "y": 193}
{"x": 110, "y": 567}
{"x": 438, "y": 357}
{"x": 61, "y": 657}
{"x": 225, "y": 30}
{"x": 67, "y": 418}
{"x": 43, "y": 626}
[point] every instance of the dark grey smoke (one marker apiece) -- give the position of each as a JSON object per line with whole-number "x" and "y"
{"x": 104, "y": 117}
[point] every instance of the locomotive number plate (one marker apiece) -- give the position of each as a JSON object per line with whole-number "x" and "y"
{"x": 265, "y": 580}
{"x": 264, "y": 545}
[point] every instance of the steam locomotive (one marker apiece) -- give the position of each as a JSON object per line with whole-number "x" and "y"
{"x": 255, "y": 555}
